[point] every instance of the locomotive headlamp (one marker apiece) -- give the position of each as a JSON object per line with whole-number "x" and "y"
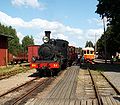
{"x": 45, "y": 39}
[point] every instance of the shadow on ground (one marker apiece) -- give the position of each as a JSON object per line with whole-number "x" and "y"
{"x": 102, "y": 67}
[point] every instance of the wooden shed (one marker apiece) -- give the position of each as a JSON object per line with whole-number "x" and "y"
{"x": 4, "y": 49}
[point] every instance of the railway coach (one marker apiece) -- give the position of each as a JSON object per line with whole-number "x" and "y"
{"x": 88, "y": 54}
{"x": 72, "y": 55}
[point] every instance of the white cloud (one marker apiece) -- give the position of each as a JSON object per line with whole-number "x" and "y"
{"x": 20, "y": 36}
{"x": 93, "y": 34}
{"x": 62, "y": 36}
{"x": 75, "y": 36}
{"x": 97, "y": 22}
{"x": 94, "y": 20}
{"x": 73, "y": 43}
{"x": 17, "y": 22}
{"x": 28, "y": 3}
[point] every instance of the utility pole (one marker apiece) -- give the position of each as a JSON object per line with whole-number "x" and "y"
{"x": 105, "y": 40}
{"x": 95, "y": 45}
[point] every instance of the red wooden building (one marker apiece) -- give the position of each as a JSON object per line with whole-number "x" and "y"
{"x": 4, "y": 49}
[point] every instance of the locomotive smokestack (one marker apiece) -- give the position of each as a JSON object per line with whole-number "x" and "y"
{"x": 47, "y": 33}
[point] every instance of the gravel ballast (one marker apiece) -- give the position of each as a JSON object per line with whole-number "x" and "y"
{"x": 14, "y": 81}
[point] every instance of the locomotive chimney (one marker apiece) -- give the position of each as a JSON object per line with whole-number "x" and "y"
{"x": 47, "y": 33}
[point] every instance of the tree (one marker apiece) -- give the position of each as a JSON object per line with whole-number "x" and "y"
{"x": 14, "y": 47}
{"x": 26, "y": 42}
{"x": 1, "y": 28}
{"x": 89, "y": 44}
{"x": 13, "y": 44}
{"x": 111, "y": 10}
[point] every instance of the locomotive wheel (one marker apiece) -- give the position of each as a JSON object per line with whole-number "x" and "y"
{"x": 54, "y": 72}
{"x": 48, "y": 73}
{"x": 40, "y": 72}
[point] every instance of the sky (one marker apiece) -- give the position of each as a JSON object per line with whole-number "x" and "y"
{"x": 71, "y": 20}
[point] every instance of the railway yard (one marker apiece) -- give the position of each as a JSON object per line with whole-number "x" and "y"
{"x": 88, "y": 85}
{"x": 58, "y": 52}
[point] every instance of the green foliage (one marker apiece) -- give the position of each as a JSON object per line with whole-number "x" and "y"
{"x": 89, "y": 44}
{"x": 14, "y": 46}
{"x": 80, "y": 50}
{"x": 111, "y": 10}
{"x": 26, "y": 42}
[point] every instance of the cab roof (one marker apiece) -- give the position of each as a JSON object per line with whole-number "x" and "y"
{"x": 88, "y": 48}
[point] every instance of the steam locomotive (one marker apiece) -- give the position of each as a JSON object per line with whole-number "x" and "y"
{"x": 53, "y": 55}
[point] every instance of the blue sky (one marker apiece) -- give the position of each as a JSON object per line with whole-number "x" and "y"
{"x": 72, "y": 20}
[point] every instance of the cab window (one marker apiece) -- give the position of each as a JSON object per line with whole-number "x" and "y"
{"x": 91, "y": 52}
{"x": 87, "y": 51}
{"x": 84, "y": 52}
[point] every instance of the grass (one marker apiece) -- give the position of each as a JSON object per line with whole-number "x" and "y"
{"x": 12, "y": 70}
{"x": 5, "y": 69}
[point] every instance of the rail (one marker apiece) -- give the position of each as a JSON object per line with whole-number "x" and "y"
{"x": 14, "y": 89}
{"x": 95, "y": 88}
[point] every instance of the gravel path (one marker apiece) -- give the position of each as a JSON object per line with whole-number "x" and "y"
{"x": 13, "y": 81}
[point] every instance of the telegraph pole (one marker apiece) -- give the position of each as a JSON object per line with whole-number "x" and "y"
{"x": 95, "y": 45}
{"x": 105, "y": 41}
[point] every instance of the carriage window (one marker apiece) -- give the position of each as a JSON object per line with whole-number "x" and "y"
{"x": 87, "y": 51}
{"x": 84, "y": 52}
{"x": 91, "y": 52}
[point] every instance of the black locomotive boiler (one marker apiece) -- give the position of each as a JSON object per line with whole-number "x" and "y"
{"x": 53, "y": 55}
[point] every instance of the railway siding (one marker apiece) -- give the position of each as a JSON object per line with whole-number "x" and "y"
{"x": 114, "y": 77}
{"x": 64, "y": 92}
{"x": 84, "y": 88}
{"x": 76, "y": 88}
{"x": 104, "y": 88}
{"x": 14, "y": 81}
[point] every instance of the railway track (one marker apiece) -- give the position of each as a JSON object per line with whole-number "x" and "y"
{"x": 22, "y": 93}
{"x": 98, "y": 90}
{"x": 14, "y": 89}
{"x": 102, "y": 87}
{"x": 95, "y": 90}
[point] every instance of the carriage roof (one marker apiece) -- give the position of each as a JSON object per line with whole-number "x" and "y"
{"x": 88, "y": 48}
